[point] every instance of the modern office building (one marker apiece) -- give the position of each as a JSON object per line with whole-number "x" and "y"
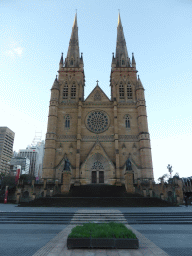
{"x": 6, "y": 148}
{"x": 24, "y": 162}
{"x": 35, "y": 154}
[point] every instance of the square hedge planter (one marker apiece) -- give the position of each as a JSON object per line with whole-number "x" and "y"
{"x": 102, "y": 242}
{"x": 126, "y": 243}
{"x": 108, "y": 243}
{"x": 73, "y": 243}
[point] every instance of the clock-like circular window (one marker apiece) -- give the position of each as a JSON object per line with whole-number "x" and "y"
{"x": 97, "y": 121}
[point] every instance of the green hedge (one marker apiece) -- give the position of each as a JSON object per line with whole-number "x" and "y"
{"x": 105, "y": 230}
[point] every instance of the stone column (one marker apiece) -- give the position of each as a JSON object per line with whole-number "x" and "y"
{"x": 66, "y": 182}
{"x": 118, "y": 182}
{"x": 129, "y": 182}
{"x": 77, "y": 181}
{"x": 144, "y": 192}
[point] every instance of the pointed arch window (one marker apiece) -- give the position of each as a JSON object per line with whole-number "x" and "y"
{"x": 65, "y": 91}
{"x": 67, "y": 121}
{"x": 127, "y": 122}
{"x": 71, "y": 62}
{"x": 73, "y": 91}
{"x": 121, "y": 91}
{"x": 123, "y": 61}
{"x": 129, "y": 91}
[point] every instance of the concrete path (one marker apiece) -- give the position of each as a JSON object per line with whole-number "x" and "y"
{"x": 58, "y": 245}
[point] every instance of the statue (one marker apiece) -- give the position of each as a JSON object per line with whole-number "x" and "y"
{"x": 67, "y": 165}
{"x": 169, "y": 167}
{"x": 128, "y": 165}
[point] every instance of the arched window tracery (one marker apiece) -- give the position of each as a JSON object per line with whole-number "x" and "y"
{"x": 121, "y": 91}
{"x": 73, "y": 91}
{"x": 65, "y": 91}
{"x": 67, "y": 121}
{"x": 127, "y": 122}
{"x": 129, "y": 91}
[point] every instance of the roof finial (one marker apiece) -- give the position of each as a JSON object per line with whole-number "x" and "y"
{"x": 97, "y": 82}
{"x": 119, "y": 19}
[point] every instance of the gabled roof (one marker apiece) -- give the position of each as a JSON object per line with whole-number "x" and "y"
{"x": 91, "y": 97}
{"x": 98, "y": 148}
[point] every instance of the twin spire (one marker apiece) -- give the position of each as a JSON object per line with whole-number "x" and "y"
{"x": 121, "y": 58}
{"x": 73, "y": 59}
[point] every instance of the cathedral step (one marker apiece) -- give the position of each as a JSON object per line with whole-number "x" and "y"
{"x": 97, "y": 202}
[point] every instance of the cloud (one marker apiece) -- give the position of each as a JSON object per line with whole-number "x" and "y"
{"x": 14, "y": 52}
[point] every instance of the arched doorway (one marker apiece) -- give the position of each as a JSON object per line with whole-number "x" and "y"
{"x": 97, "y": 172}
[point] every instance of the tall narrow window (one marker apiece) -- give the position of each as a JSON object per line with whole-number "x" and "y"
{"x": 127, "y": 122}
{"x": 67, "y": 122}
{"x": 73, "y": 91}
{"x": 123, "y": 61}
{"x": 121, "y": 91}
{"x": 65, "y": 91}
{"x": 71, "y": 62}
{"x": 129, "y": 92}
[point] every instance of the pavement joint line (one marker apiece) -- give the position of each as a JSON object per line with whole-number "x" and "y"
{"x": 58, "y": 246}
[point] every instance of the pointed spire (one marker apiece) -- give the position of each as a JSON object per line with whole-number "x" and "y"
{"x": 119, "y": 20}
{"x": 75, "y": 21}
{"x": 61, "y": 60}
{"x": 55, "y": 84}
{"x": 139, "y": 83}
{"x": 72, "y": 59}
{"x": 133, "y": 61}
{"x": 122, "y": 58}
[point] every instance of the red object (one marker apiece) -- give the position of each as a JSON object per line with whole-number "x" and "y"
{"x": 6, "y": 195}
{"x": 17, "y": 176}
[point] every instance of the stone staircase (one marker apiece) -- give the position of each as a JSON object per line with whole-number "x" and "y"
{"x": 97, "y": 195}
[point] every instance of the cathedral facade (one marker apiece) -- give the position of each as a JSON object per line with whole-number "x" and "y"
{"x": 97, "y": 139}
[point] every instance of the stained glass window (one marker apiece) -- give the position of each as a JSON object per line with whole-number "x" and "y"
{"x": 97, "y": 122}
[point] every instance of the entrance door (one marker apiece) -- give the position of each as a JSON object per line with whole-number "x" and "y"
{"x": 101, "y": 176}
{"x": 94, "y": 177}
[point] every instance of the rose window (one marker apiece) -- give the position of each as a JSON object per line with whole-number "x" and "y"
{"x": 97, "y": 121}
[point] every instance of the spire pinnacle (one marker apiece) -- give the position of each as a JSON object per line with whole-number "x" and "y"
{"x": 122, "y": 58}
{"x": 75, "y": 21}
{"x": 133, "y": 61}
{"x": 73, "y": 59}
{"x": 119, "y": 24}
{"x": 61, "y": 60}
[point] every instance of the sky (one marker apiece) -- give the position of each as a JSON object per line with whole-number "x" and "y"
{"x": 34, "y": 33}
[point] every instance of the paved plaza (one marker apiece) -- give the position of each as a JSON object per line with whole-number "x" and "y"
{"x": 50, "y": 239}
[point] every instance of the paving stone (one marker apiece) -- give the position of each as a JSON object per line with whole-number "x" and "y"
{"x": 100, "y": 252}
{"x": 112, "y": 252}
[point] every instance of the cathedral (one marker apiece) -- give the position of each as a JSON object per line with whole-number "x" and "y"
{"x": 97, "y": 140}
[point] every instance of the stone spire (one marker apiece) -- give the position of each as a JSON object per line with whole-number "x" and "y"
{"x": 133, "y": 61}
{"x": 72, "y": 59}
{"x": 55, "y": 84}
{"x": 122, "y": 58}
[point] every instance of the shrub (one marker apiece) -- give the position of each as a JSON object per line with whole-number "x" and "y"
{"x": 105, "y": 230}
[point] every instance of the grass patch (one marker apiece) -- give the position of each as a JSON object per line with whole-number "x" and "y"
{"x": 104, "y": 230}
